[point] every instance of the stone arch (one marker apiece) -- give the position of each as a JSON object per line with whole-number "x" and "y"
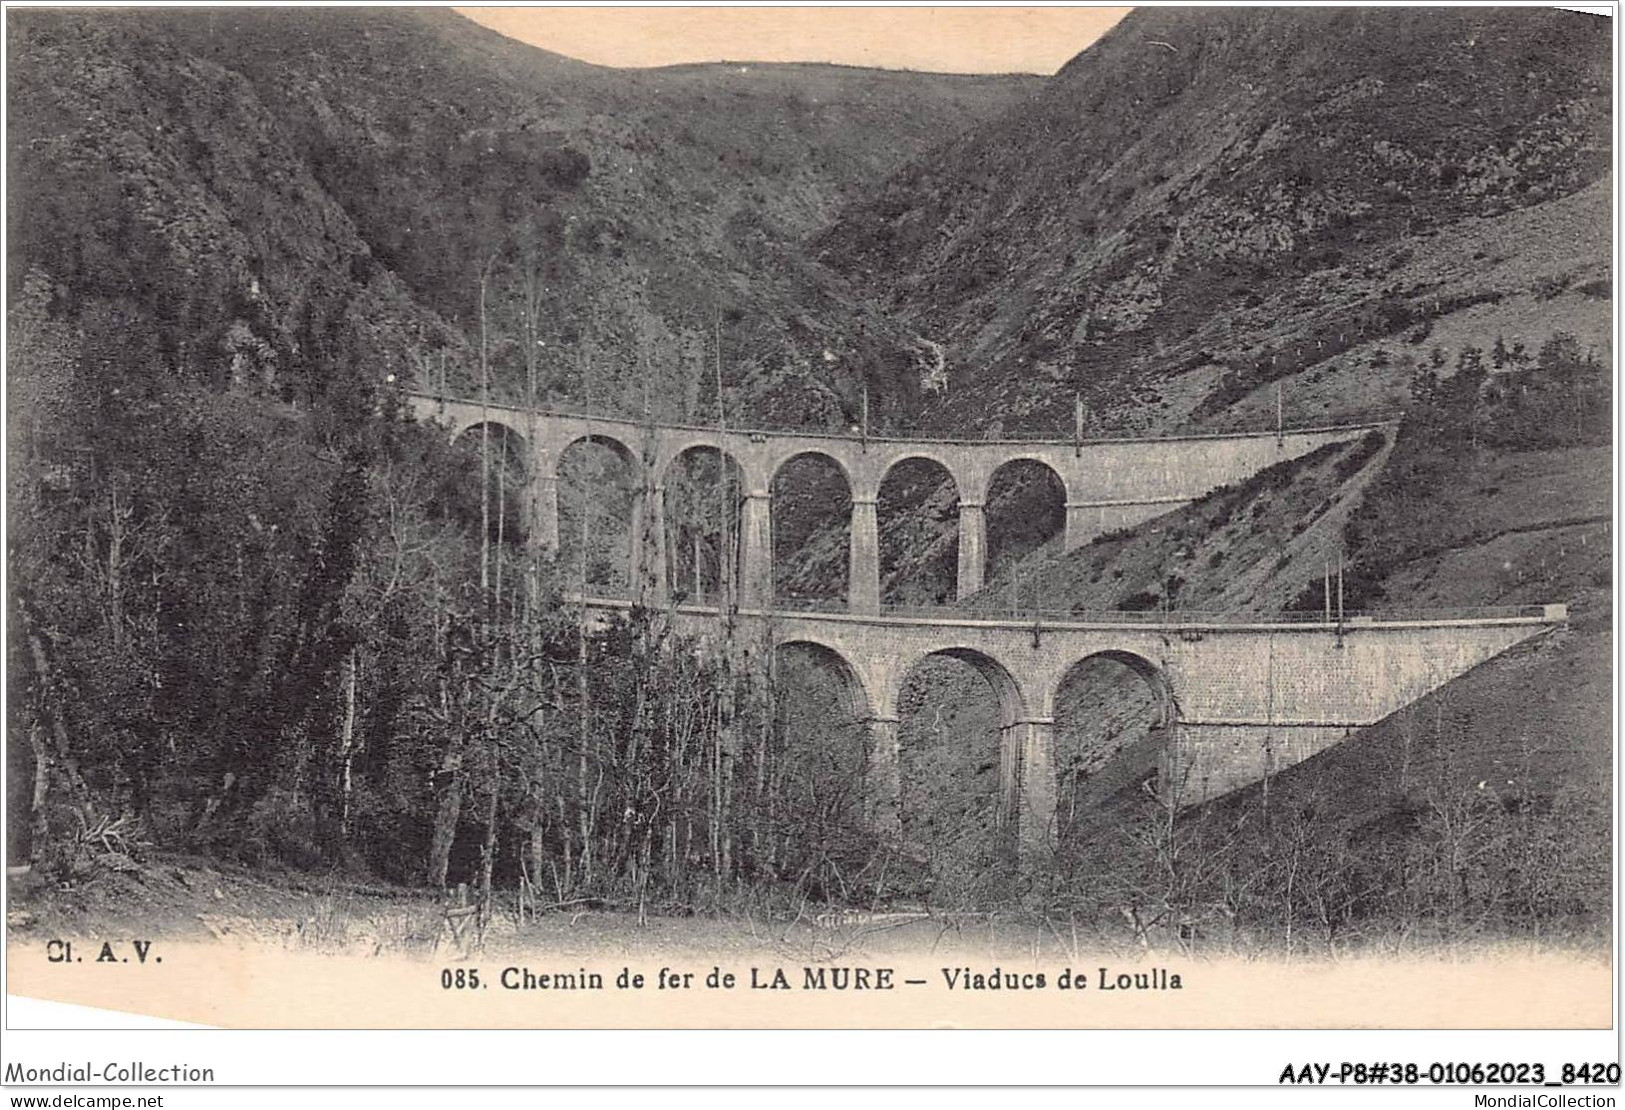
{"x": 702, "y": 521}
{"x": 599, "y": 507}
{"x": 810, "y": 508}
{"x": 509, "y": 514}
{"x": 1026, "y": 516}
{"x": 856, "y": 694}
{"x": 674, "y": 450}
{"x": 1111, "y": 711}
{"x": 620, "y": 448}
{"x": 506, "y": 430}
{"x": 958, "y": 767}
{"x": 1012, "y": 703}
{"x": 822, "y": 743}
{"x": 922, "y": 455}
{"x": 1017, "y": 455}
{"x": 1153, "y": 675}
{"x": 918, "y": 534}
{"x": 834, "y": 457}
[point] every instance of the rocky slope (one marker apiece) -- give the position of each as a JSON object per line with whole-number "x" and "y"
{"x": 1207, "y": 201}
{"x": 1209, "y": 213}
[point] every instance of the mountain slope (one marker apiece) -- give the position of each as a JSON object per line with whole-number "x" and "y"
{"x": 277, "y": 156}
{"x": 1209, "y": 200}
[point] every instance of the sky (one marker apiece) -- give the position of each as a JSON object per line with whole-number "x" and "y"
{"x": 946, "y": 39}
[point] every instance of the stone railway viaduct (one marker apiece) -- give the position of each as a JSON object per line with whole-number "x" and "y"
{"x": 1238, "y": 697}
{"x": 1109, "y": 484}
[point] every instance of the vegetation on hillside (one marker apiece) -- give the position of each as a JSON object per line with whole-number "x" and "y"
{"x": 1292, "y": 869}
{"x": 1431, "y": 495}
{"x": 259, "y": 173}
{"x": 307, "y": 639}
{"x": 1335, "y": 172}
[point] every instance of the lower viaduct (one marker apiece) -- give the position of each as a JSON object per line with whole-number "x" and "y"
{"x": 1238, "y": 698}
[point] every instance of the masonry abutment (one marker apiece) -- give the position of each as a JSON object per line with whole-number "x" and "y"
{"x": 1076, "y": 532}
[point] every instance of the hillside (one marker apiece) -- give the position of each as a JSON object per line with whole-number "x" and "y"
{"x": 1209, "y": 212}
{"x": 268, "y": 161}
{"x": 1210, "y": 201}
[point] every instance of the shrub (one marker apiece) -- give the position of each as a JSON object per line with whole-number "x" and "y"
{"x": 1140, "y": 602}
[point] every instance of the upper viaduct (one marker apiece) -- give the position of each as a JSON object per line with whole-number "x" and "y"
{"x": 1239, "y": 697}
{"x": 1109, "y": 484}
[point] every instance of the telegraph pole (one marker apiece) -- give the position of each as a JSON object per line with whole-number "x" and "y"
{"x": 1326, "y": 567}
{"x": 725, "y": 568}
{"x": 864, "y": 426}
{"x": 1339, "y": 597}
{"x": 1279, "y": 415}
